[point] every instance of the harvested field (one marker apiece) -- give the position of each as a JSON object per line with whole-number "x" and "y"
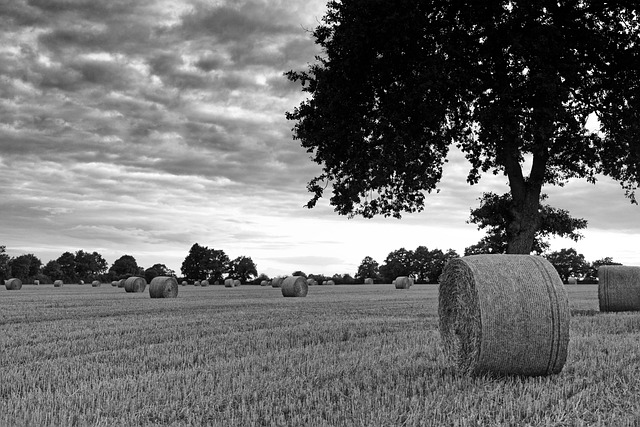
{"x": 357, "y": 355}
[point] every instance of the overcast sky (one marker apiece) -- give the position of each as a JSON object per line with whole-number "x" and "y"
{"x": 142, "y": 127}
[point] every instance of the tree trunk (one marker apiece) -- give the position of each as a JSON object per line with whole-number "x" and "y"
{"x": 522, "y": 230}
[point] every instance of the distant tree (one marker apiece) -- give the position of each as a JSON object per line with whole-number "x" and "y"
{"x": 428, "y": 264}
{"x": 604, "y": 261}
{"x": 347, "y": 279}
{"x": 25, "y": 267}
{"x": 163, "y": 270}
{"x": 397, "y": 263}
{"x": 125, "y": 266}
{"x": 5, "y": 269}
{"x": 398, "y": 83}
{"x": 67, "y": 263}
{"x": 205, "y": 263}
{"x": 89, "y": 266}
{"x": 150, "y": 273}
{"x": 299, "y": 273}
{"x": 53, "y": 271}
{"x": 368, "y": 268}
{"x": 496, "y": 213}
{"x": 243, "y": 268}
{"x": 568, "y": 262}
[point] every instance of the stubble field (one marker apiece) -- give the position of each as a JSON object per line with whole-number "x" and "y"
{"x": 366, "y": 355}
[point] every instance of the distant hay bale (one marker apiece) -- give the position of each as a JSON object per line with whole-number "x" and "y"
{"x": 163, "y": 287}
{"x": 36, "y": 282}
{"x": 196, "y": 283}
{"x": 276, "y": 282}
{"x": 619, "y": 288}
{"x": 58, "y": 284}
{"x": 228, "y": 283}
{"x": 114, "y": 283}
{"x": 402, "y": 282}
{"x": 312, "y": 282}
{"x": 294, "y": 286}
{"x": 572, "y": 280}
{"x": 393, "y": 283}
{"x": 237, "y": 283}
{"x": 368, "y": 281}
{"x": 121, "y": 283}
{"x": 13, "y": 284}
{"x": 264, "y": 283}
{"x": 204, "y": 283}
{"x": 81, "y": 282}
{"x": 95, "y": 284}
{"x": 135, "y": 284}
{"x": 324, "y": 283}
{"x": 504, "y": 314}
{"x": 331, "y": 282}
{"x": 184, "y": 283}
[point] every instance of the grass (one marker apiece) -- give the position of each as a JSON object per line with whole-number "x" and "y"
{"x": 344, "y": 356}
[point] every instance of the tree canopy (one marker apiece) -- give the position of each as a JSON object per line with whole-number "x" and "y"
{"x": 397, "y": 83}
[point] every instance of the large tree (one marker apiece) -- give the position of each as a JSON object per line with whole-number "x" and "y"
{"x": 397, "y": 263}
{"x": 398, "y": 82}
{"x": 368, "y": 268}
{"x": 204, "y": 263}
{"x": 125, "y": 266}
{"x": 568, "y": 262}
{"x": 245, "y": 269}
{"x": 494, "y": 215}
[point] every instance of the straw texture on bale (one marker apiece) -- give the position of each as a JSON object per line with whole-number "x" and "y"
{"x": 294, "y": 286}
{"x": 368, "y": 281}
{"x": 228, "y": 283}
{"x": 504, "y": 314}
{"x": 135, "y": 284}
{"x": 619, "y": 288}
{"x": 163, "y": 287}
{"x": 403, "y": 282}
{"x": 276, "y": 282}
{"x": 13, "y": 284}
{"x": 96, "y": 284}
{"x": 204, "y": 283}
{"x": 58, "y": 284}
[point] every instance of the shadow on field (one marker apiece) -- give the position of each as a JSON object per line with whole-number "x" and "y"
{"x": 576, "y": 312}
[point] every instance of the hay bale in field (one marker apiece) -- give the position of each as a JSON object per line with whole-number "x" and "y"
{"x": 504, "y": 314}
{"x": 264, "y": 283}
{"x": 95, "y": 284}
{"x": 196, "y": 283}
{"x": 135, "y": 284}
{"x": 13, "y": 284}
{"x": 204, "y": 283}
{"x": 276, "y": 282}
{"x": 228, "y": 283}
{"x": 402, "y": 282}
{"x": 58, "y": 284}
{"x": 312, "y": 282}
{"x": 324, "y": 283}
{"x": 294, "y": 286}
{"x": 81, "y": 282}
{"x": 572, "y": 280}
{"x": 619, "y": 288}
{"x": 121, "y": 283}
{"x": 163, "y": 287}
{"x": 184, "y": 283}
{"x": 36, "y": 282}
{"x": 114, "y": 283}
{"x": 368, "y": 281}
{"x": 237, "y": 283}
{"x": 330, "y": 282}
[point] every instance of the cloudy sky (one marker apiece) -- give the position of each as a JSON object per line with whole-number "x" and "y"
{"x": 142, "y": 127}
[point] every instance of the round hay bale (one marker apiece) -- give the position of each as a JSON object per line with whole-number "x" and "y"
{"x": 402, "y": 282}
{"x": 276, "y": 282}
{"x": 204, "y": 283}
{"x": 228, "y": 283}
{"x": 95, "y": 284}
{"x": 135, "y": 284}
{"x": 504, "y": 314}
{"x": 81, "y": 282}
{"x": 312, "y": 282}
{"x": 13, "y": 284}
{"x": 331, "y": 282}
{"x": 36, "y": 282}
{"x": 368, "y": 281}
{"x": 572, "y": 280}
{"x": 58, "y": 284}
{"x": 237, "y": 283}
{"x": 184, "y": 283}
{"x": 393, "y": 283}
{"x": 114, "y": 283}
{"x": 121, "y": 283}
{"x": 264, "y": 283}
{"x": 294, "y": 286}
{"x": 196, "y": 283}
{"x": 619, "y": 288}
{"x": 324, "y": 283}
{"x": 163, "y": 287}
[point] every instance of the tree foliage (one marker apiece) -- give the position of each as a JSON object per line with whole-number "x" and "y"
{"x": 495, "y": 214}
{"x": 244, "y": 268}
{"x": 125, "y": 266}
{"x": 397, "y": 263}
{"x": 568, "y": 262}
{"x": 204, "y": 263}
{"x": 368, "y": 268}
{"x": 399, "y": 82}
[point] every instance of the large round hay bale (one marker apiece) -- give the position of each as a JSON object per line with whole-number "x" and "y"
{"x": 58, "y": 284}
{"x": 236, "y": 283}
{"x": 96, "y": 284}
{"x": 264, "y": 283}
{"x": 368, "y": 281}
{"x": 294, "y": 286}
{"x": 504, "y": 314}
{"x": 13, "y": 284}
{"x": 121, "y": 283}
{"x": 403, "y": 282}
{"x": 204, "y": 283}
{"x": 163, "y": 287}
{"x": 228, "y": 283}
{"x": 619, "y": 288}
{"x": 276, "y": 282}
{"x": 135, "y": 284}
